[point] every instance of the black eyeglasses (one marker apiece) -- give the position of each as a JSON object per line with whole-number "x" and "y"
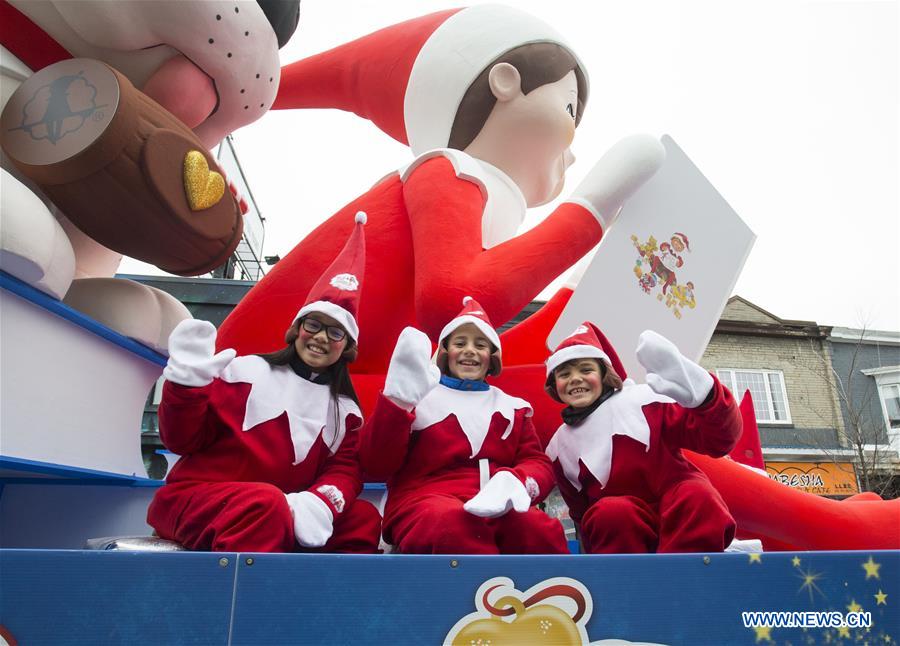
{"x": 314, "y": 326}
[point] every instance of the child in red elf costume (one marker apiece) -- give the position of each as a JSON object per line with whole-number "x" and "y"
{"x": 618, "y": 458}
{"x": 461, "y": 458}
{"x": 269, "y": 442}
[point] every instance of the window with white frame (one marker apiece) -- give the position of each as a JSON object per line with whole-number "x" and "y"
{"x": 890, "y": 399}
{"x": 767, "y": 389}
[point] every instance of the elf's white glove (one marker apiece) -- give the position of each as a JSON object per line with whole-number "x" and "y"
{"x": 313, "y": 520}
{"x": 192, "y": 358}
{"x": 621, "y": 171}
{"x": 411, "y": 375}
{"x": 670, "y": 373}
{"x": 503, "y": 492}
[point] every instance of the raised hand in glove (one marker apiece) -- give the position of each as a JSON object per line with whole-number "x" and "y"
{"x": 313, "y": 520}
{"x": 503, "y": 492}
{"x": 670, "y": 373}
{"x": 411, "y": 374}
{"x": 192, "y": 358}
{"x": 621, "y": 171}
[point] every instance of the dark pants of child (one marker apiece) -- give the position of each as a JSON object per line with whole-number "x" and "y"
{"x": 251, "y": 517}
{"x": 690, "y": 517}
{"x": 438, "y": 524}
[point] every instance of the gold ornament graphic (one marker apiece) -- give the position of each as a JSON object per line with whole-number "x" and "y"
{"x": 530, "y": 617}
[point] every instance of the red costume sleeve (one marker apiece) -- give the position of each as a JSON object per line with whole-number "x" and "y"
{"x": 342, "y": 470}
{"x": 576, "y": 501}
{"x": 183, "y": 424}
{"x": 711, "y": 429}
{"x": 384, "y": 439}
{"x": 531, "y": 461}
{"x": 445, "y": 214}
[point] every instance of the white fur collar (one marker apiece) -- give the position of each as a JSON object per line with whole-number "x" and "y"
{"x": 473, "y": 411}
{"x": 277, "y": 389}
{"x": 591, "y": 441}
{"x": 505, "y": 204}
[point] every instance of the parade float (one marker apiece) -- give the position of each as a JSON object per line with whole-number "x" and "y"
{"x": 110, "y": 112}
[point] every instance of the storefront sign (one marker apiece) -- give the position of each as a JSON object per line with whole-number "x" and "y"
{"x": 822, "y": 478}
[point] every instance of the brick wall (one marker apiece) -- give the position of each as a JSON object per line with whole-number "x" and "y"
{"x": 814, "y": 409}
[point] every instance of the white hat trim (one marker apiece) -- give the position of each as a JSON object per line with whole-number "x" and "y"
{"x": 465, "y": 43}
{"x": 575, "y": 352}
{"x": 336, "y": 312}
{"x": 459, "y": 321}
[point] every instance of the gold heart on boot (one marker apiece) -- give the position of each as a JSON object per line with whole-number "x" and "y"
{"x": 203, "y": 187}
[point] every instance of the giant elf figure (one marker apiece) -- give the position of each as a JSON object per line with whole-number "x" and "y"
{"x": 488, "y": 99}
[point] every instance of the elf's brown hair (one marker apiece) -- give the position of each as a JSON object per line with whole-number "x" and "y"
{"x": 537, "y": 63}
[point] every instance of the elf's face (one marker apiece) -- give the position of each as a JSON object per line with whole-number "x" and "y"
{"x": 528, "y": 135}
{"x": 579, "y": 382}
{"x": 317, "y": 345}
{"x": 468, "y": 353}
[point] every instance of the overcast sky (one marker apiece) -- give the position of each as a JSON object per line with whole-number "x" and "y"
{"x": 789, "y": 108}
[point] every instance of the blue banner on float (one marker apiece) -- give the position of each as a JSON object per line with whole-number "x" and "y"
{"x": 105, "y": 597}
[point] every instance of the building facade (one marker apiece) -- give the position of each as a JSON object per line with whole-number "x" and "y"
{"x": 787, "y": 366}
{"x": 867, "y": 376}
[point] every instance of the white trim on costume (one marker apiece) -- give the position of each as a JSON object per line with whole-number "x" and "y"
{"x": 575, "y": 352}
{"x": 590, "y": 443}
{"x": 459, "y": 321}
{"x": 336, "y": 312}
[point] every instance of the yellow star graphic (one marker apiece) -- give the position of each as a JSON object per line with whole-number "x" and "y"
{"x": 795, "y": 561}
{"x": 854, "y": 607}
{"x": 755, "y": 557}
{"x": 880, "y": 598}
{"x": 843, "y": 631}
{"x": 763, "y": 633}
{"x": 871, "y": 568}
{"x": 809, "y": 582}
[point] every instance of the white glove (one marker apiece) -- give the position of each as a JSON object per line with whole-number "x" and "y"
{"x": 503, "y": 492}
{"x": 621, "y": 171}
{"x": 313, "y": 520}
{"x": 670, "y": 373}
{"x": 411, "y": 375}
{"x": 192, "y": 361}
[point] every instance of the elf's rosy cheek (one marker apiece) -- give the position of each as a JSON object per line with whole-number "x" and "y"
{"x": 183, "y": 89}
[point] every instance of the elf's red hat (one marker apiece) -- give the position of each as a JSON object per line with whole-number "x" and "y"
{"x": 337, "y": 291}
{"x": 409, "y": 78}
{"x": 472, "y": 313}
{"x": 586, "y": 342}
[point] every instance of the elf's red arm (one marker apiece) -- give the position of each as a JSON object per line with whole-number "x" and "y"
{"x": 445, "y": 214}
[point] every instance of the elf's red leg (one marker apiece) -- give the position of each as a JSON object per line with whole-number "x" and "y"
{"x": 224, "y": 517}
{"x": 694, "y": 518}
{"x": 356, "y": 530}
{"x": 619, "y": 525}
{"x": 533, "y": 532}
{"x": 438, "y": 524}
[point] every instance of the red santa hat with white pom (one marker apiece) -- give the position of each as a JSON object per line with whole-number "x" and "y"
{"x": 336, "y": 293}
{"x": 472, "y": 313}
{"x": 409, "y": 78}
{"x": 586, "y": 342}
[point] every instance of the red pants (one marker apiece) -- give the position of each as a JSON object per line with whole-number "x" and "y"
{"x": 438, "y": 524}
{"x": 250, "y": 517}
{"x": 691, "y": 517}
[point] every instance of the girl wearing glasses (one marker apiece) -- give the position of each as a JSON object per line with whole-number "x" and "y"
{"x": 462, "y": 460}
{"x": 269, "y": 442}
